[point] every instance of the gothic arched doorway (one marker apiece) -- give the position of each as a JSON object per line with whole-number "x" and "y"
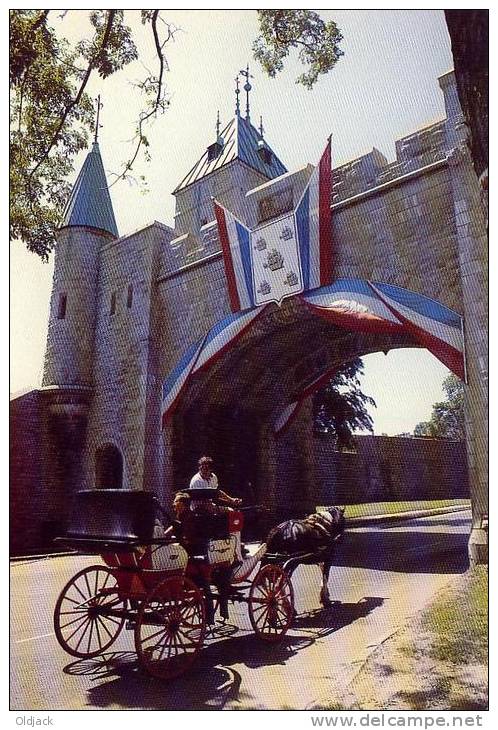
{"x": 108, "y": 467}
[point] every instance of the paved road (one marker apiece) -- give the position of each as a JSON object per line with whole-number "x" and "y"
{"x": 382, "y": 576}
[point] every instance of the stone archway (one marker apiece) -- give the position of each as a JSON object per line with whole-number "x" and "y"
{"x": 230, "y": 409}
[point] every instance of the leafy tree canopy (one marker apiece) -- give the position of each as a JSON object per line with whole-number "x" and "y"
{"x": 340, "y": 408}
{"x": 285, "y": 30}
{"x": 52, "y": 115}
{"x": 447, "y": 419}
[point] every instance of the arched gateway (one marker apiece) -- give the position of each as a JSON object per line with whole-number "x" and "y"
{"x": 244, "y": 393}
{"x": 415, "y": 224}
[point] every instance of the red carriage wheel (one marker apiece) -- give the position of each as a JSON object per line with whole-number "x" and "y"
{"x": 89, "y": 613}
{"x": 271, "y": 603}
{"x": 170, "y": 628}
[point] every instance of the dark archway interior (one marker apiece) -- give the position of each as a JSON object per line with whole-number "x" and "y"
{"x": 230, "y": 407}
{"x": 108, "y": 467}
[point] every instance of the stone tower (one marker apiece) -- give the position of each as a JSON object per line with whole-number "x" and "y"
{"x": 88, "y": 224}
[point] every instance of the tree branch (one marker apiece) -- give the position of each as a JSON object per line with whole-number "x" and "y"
{"x": 158, "y": 101}
{"x": 159, "y": 55}
{"x": 77, "y": 99}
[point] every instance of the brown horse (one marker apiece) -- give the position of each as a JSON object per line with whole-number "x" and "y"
{"x": 315, "y": 535}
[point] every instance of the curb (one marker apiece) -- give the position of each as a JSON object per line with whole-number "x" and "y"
{"x": 401, "y": 516}
{"x": 29, "y": 558}
{"x": 351, "y": 521}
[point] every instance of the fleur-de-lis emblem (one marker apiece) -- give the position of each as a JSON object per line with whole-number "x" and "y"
{"x": 286, "y": 234}
{"x": 260, "y": 244}
{"x": 275, "y": 260}
{"x": 291, "y": 279}
{"x": 264, "y": 288}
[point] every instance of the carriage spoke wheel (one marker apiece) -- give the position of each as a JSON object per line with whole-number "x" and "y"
{"x": 170, "y": 628}
{"x": 83, "y": 624}
{"x": 271, "y": 603}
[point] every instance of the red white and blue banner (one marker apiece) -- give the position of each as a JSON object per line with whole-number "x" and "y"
{"x": 376, "y": 307}
{"x": 202, "y": 354}
{"x": 283, "y": 257}
{"x": 353, "y": 304}
{"x": 314, "y": 225}
{"x": 289, "y": 413}
{"x": 223, "y": 336}
{"x": 235, "y": 239}
{"x": 433, "y": 325}
{"x": 175, "y": 383}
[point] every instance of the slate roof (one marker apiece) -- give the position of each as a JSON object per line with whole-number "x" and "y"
{"x": 241, "y": 141}
{"x": 90, "y": 202}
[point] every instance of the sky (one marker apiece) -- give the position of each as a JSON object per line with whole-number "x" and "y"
{"x": 384, "y": 87}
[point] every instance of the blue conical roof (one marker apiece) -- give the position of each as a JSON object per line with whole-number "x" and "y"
{"x": 241, "y": 141}
{"x": 90, "y": 203}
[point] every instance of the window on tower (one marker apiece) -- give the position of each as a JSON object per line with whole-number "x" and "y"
{"x": 129, "y": 298}
{"x": 214, "y": 150}
{"x": 113, "y": 303}
{"x": 61, "y": 309}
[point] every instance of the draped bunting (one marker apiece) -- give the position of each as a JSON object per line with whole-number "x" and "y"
{"x": 353, "y": 304}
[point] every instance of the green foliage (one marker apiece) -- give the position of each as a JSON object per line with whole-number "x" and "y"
{"x": 340, "y": 408}
{"x": 51, "y": 115}
{"x": 447, "y": 419}
{"x": 283, "y": 30}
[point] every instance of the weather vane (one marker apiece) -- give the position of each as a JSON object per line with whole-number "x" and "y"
{"x": 218, "y": 125}
{"x": 97, "y": 121}
{"x": 247, "y": 89}
{"x": 261, "y": 128}
{"x": 237, "y": 93}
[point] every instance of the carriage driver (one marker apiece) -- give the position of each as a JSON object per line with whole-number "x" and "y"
{"x": 205, "y": 478}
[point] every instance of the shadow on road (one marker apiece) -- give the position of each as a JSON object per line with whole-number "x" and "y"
{"x": 213, "y": 681}
{"x": 404, "y": 551}
{"x": 336, "y": 616}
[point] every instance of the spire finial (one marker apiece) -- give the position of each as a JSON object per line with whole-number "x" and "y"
{"x": 247, "y": 89}
{"x": 218, "y": 125}
{"x": 261, "y": 128}
{"x": 237, "y": 93}
{"x": 97, "y": 120}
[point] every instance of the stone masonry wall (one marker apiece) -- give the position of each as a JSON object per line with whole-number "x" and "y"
{"x": 390, "y": 469}
{"x": 70, "y": 343}
{"x": 121, "y": 371}
{"x": 39, "y": 492}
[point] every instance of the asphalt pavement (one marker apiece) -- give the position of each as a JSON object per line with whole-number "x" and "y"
{"x": 383, "y": 574}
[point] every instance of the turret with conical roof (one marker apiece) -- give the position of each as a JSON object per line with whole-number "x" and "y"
{"x": 89, "y": 223}
{"x": 90, "y": 202}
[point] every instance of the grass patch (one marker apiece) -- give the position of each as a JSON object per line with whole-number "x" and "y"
{"x": 460, "y": 623}
{"x": 384, "y": 508}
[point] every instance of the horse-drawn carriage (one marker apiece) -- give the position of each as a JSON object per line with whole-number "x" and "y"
{"x": 152, "y": 584}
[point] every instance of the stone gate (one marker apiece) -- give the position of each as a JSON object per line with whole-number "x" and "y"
{"x": 125, "y": 309}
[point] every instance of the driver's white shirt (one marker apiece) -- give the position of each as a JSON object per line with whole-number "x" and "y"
{"x": 198, "y": 482}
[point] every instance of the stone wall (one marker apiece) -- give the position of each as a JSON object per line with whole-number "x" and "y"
{"x": 390, "y": 469}
{"x": 41, "y": 462}
{"x": 124, "y": 369}
{"x": 69, "y": 356}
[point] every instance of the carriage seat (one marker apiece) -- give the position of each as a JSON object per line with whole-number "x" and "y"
{"x": 198, "y": 529}
{"x": 110, "y": 519}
